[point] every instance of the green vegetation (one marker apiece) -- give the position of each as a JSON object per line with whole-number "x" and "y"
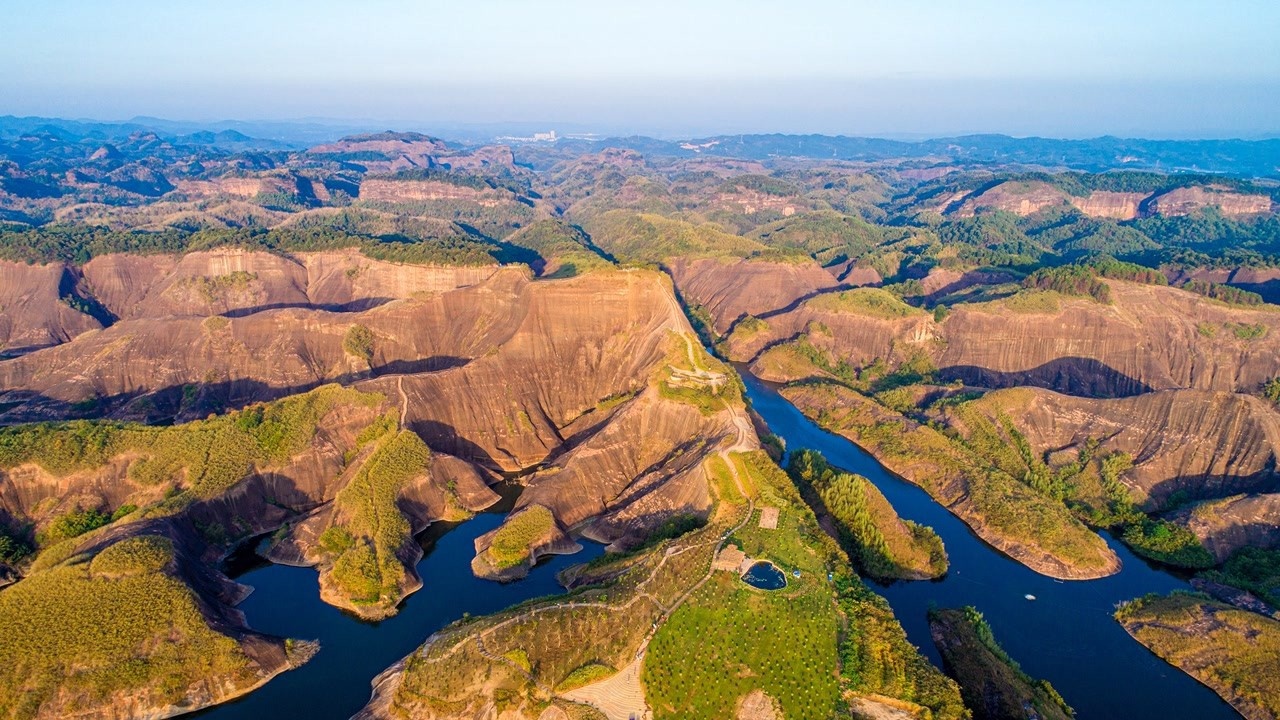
{"x": 85, "y": 632}
{"x": 1235, "y": 652}
{"x": 1224, "y": 293}
{"x": 638, "y": 237}
{"x": 585, "y": 675}
{"x": 214, "y": 289}
{"x": 72, "y": 524}
{"x": 729, "y": 639}
{"x": 13, "y": 549}
{"x": 358, "y": 342}
{"x": 706, "y": 384}
{"x": 1254, "y": 569}
{"x": 565, "y": 244}
{"x": 992, "y": 683}
{"x": 425, "y": 244}
{"x": 1168, "y": 543}
{"x": 1007, "y": 507}
{"x": 1247, "y": 331}
{"x": 510, "y": 546}
{"x": 1271, "y": 390}
{"x": 196, "y": 460}
{"x": 133, "y": 556}
{"x": 1070, "y": 280}
{"x": 883, "y": 545}
{"x": 367, "y": 566}
{"x": 873, "y": 302}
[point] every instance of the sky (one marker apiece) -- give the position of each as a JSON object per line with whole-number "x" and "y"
{"x": 906, "y": 68}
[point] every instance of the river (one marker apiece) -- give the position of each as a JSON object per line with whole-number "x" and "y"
{"x": 335, "y": 684}
{"x": 1066, "y": 635}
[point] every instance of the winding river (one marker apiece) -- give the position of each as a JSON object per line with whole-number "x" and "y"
{"x": 335, "y": 684}
{"x": 1066, "y": 635}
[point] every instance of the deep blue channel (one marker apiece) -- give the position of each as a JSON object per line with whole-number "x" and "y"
{"x": 1067, "y": 635}
{"x": 336, "y": 682}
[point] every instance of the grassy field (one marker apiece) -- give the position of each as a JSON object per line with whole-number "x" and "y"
{"x": 993, "y": 684}
{"x": 1237, "y": 653}
{"x": 806, "y": 646}
{"x": 117, "y": 624}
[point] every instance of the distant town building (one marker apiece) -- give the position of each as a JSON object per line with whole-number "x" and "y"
{"x": 545, "y": 136}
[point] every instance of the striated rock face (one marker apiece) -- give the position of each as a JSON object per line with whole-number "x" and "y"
{"x": 1113, "y": 205}
{"x": 754, "y": 201}
{"x": 1019, "y": 198}
{"x": 245, "y": 187}
{"x": 230, "y": 281}
{"x": 1189, "y": 200}
{"x": 1027, "y": 198}
{"x": 410, "y": 190}
{"x": 1227, "y": 525}
{"x": 1150, "y": 337}
{"x": 729, "y": 289}
{"x": 507, "y": 374}
{"x": 32, "y": 314}
{"x": 1197, "y": 443}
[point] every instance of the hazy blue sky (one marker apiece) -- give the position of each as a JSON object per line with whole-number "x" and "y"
{"x": 1148, "y": 67}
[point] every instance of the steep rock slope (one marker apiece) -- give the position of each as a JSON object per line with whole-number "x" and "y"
{"x": 729, "y": 289}
{"x": 1149, "y": 337}
{"x": 1194, "y": 443}
{"x": 1229, "y": 524}
{"x": 234, "y": 281}
{"x": 32, "y": 314}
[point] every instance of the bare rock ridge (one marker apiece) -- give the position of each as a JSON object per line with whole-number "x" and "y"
{"x": 1027, "y": 198}
{"x": 33, "y": 313}
{"x": 484, "y": 373}
{"x": 1191, "y": 443}
{"x": 1149, "y": 338}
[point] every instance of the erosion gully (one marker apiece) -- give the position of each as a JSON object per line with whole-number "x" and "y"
{"x": 1066, "y": 635}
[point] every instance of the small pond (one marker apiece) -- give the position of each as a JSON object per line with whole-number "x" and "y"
{"x": 766, "y": 576}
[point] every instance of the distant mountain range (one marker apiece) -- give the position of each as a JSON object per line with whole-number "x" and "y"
{"x": 1248, "y": 158}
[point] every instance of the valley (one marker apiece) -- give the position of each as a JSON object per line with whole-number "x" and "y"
{"x": 615, "y": 428}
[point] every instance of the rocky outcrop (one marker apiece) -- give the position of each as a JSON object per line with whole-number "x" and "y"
{"x": 730, "y": 289}
{"x": 33, "y": 313}
{"x": 1019, "y": 198}
{"x": 230, "y": 281}
{"x": 1190, "y": 200}
{"x": 1149, "y": 338}
{"x": 1229, "y": 524}
{"x": 1029, "y": 197}
{"x": 397, "y": 191}
{"x": 1193, "y": 443}
{"x": 1113, "y": 205}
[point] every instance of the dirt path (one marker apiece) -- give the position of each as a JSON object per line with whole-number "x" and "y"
{"x": 404, "y": 401}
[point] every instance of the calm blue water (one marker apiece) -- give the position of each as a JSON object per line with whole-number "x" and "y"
{"x": 1067, "y": 635}
{"x": 766, "y": 576}
{"x": 336, "y": 682}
